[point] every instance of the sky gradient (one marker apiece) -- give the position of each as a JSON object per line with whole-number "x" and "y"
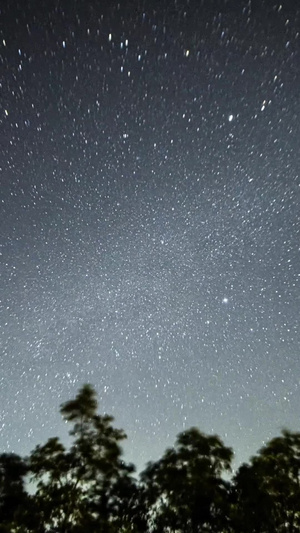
{"x": 150, "y": 218}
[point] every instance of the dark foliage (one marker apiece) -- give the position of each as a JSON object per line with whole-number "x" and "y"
{"x": 89, "y": 487}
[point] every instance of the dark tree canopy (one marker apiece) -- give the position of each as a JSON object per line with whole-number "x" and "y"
{"x": 268, "y": 490}
{"x": 88, "y": 487}
{"x": 13, "y": 470}
{"x": 185, "y": 488}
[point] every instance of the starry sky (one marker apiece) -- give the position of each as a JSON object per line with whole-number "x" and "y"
{"x": 150, "y": 218}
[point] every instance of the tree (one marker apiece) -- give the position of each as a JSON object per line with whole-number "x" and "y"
{"x": 58, "y": 496}
{"x": 185, "y": 490}
{"x": 252, "y": 505}
{"x": 13, "y": 497}
{"x": 88, "y": 486}
{"x": 128, "y": 506}
{"x": 96, "y": 452}
{"x": 268, "y": 490}
{"x": 74, "y": 486}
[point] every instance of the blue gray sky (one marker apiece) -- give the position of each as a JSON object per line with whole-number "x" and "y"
{"x": 150, "y": 218}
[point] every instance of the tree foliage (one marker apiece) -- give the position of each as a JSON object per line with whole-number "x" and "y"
{"x": 13, "y": 497}
{"x": 89, "y": 487}
{"x": 75, "y": 486}
{"x": 268, "y": 490}
{"x": 185, "y": 489}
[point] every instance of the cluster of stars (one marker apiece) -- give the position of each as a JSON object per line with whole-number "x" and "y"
{"x": 151, "y": 220}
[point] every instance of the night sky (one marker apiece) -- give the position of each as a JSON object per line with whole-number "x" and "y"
{"x": 150, "y": 218}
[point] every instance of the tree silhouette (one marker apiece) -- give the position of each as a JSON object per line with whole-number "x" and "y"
{"x": 185, "y": 489}
{"x": 74, "y": 487}
{"x": 58, "y": 498}
{"x": 128, "y": 506}
{"x": 268, "y": 490}
{"x": 13, "y": 496}
{"x": 87, "y": 487}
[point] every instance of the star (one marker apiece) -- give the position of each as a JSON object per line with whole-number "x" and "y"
{"x": 150, "y": 223}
